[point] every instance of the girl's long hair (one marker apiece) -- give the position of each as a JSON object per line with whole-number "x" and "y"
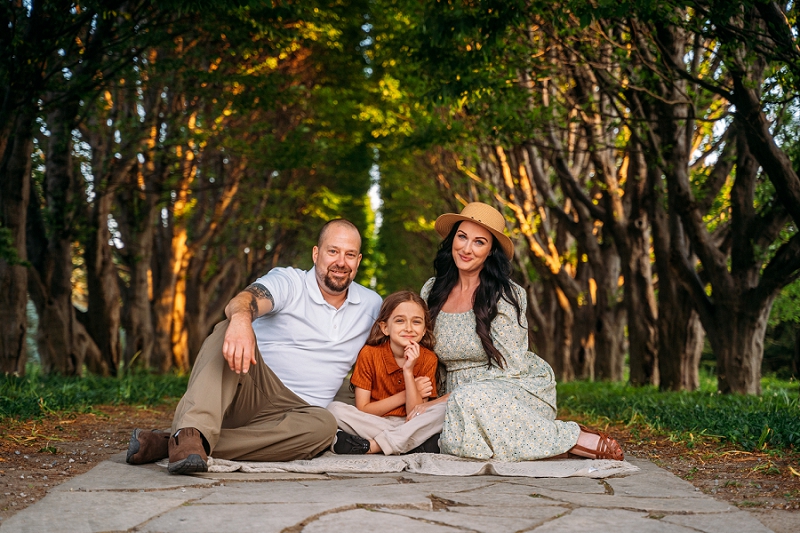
{"x": 376, "y": 336}
{"x": 495, "y": 283}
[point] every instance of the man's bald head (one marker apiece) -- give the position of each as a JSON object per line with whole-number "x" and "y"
{"x": 337, "y": 223}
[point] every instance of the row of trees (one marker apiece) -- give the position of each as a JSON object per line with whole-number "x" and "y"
{"x": 167, "y": 153}
{"x": 645, "y": 154}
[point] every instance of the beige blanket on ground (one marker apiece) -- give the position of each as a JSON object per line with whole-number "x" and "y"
{"x": 435, "y": 464}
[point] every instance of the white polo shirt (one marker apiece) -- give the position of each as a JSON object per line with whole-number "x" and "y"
{"x": 308, "y": 343}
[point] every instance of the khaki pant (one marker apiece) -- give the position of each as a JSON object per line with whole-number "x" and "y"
{"x": 251, "y": 416}
{"x": 392, "y": 433}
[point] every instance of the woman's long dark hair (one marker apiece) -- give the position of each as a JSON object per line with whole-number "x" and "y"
{"x": 495, "y": 283}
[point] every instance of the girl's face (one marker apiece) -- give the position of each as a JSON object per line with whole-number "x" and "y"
{"x": 406, "y": 324}
{"x": 471, "y": 246}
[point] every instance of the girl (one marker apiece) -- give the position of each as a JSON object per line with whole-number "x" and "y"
{"x": 394, "y": 373}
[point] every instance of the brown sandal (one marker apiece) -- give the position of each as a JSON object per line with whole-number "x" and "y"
{"x": 607, "y": 448}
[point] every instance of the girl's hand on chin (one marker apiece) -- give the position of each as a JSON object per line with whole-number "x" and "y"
{"x": 411, "y": 353}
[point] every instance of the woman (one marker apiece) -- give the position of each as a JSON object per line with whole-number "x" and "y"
{"x": 501, "y": 401}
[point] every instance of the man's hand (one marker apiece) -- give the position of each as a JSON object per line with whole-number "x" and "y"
{"x": 239, "y": 347}
{"x": 424, "y": 386}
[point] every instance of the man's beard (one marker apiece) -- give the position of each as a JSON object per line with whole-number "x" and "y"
{"x": 334, "y": 284}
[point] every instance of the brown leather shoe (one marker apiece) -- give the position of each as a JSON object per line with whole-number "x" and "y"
{"x": 147, "y": 446}
{"x": 188, "y": 452}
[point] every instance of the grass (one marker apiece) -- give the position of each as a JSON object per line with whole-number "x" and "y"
{"x": 37, "y": 395}
{"x": 771, "y": 420}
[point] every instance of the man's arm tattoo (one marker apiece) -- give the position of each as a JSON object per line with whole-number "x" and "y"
{"x": 256, "y": 291}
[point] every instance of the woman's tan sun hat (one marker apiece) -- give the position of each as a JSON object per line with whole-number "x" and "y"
{"x": 482, "y": 214}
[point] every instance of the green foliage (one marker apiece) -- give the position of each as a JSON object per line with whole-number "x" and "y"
{"x": 787, "y": 305}
{"x": 8, "y": 252}
{"x": 407, "y": 243}
{"x": 772, "y": 419}
{"x": 36, "y": 395}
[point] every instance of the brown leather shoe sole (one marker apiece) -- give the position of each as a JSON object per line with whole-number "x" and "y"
{"x": 190, "y": 465}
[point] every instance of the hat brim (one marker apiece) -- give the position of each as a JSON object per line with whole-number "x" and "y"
{"x": 444, "y": 224}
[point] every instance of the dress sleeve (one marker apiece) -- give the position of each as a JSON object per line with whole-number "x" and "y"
{"x": 509, "y": 332}
{"x": 426, "y": 289}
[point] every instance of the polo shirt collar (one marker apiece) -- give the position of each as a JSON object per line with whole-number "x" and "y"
{"x": 388, "y": 358}
{"x": 315, "y": 292}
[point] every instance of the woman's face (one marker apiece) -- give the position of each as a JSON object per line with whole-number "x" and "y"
{"x": 471, "y": 246}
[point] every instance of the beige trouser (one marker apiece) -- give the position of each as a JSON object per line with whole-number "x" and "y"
{"x": 392, "y": 433}
{"x": 251, "y": 416}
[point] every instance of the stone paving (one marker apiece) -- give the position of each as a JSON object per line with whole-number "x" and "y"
{"x": 117, "y": 497}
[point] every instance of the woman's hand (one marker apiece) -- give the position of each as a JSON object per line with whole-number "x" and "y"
{"x": 418, "y": 410}
{"x": 424, "y": 386}
{"x": 421, "y": 408}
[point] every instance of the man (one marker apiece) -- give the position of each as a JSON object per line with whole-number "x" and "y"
{"x": 263, "y": 378}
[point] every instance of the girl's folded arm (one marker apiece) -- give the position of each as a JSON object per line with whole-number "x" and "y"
{"x": 380, "y": 407}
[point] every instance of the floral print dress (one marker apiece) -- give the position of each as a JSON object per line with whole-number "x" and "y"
{"x": 507, "y": 413}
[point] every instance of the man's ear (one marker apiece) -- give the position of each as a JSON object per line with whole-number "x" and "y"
{"x": 314, "y": 254}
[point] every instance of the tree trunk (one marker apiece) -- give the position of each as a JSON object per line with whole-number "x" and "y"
{"x": 680, "y": 339}
{"x": 541, "y": 322}
{"x": 205, "y": 303}
{"x": 564, "y": 340}
{"x": 180, "y": 332}
{"x": 550, "y": 326}
{"x": 137, "y": 317}
{"x": 610, "y": 335}
{"x": 641, "y": 310}
{"x": 136, "y": 208}
{"x": 164, "y": 278}
{"x": 168, "y": 267}
{"x": 610, "y": 321}
{"x": 601, "y": 328}
{"x": 196, "y": 330}
{"x": 63, "y": 343}
{"x": 584, "y": 349}
{"x": 16, "y": 144}
{"x": 738, "y": 343}
{"x": 111, "y": 165}
{"x": 680, "y": 335}
{"x": 103, "y": 314}
{"x": 632, "y": 236}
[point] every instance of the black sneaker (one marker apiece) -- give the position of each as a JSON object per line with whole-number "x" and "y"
{"x": 347, "y": 444}
{"x": 429, "y": 446}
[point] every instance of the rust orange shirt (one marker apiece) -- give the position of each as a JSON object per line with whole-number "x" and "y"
{"x": 377, "y": 371}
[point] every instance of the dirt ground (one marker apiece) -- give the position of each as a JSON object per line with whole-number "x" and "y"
{"x": 36, "y": 456}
